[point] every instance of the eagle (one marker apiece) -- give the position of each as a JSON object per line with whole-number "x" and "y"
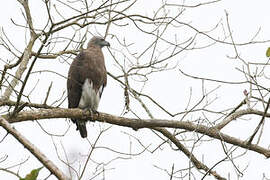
{"x": 87, "y": 78}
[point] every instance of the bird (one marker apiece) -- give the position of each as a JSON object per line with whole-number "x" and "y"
{"x": 87, "y": 77}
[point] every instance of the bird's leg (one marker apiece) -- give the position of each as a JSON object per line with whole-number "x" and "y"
{"x": 92, "y": 112}
{"x": 85, "y": 111}
{"x": 95, "y": 112}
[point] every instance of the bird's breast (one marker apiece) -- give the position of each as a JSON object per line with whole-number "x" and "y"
{"x": 89, "y": 98}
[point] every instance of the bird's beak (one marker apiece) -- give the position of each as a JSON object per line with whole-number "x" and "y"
{"x": 105, "y": 43}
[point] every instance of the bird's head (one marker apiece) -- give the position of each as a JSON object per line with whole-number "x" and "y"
{"x": 98, "y": 41}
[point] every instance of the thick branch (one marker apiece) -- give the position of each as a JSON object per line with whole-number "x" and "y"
{"x": 137, "y": 124}
{"x": 34, "y": 150}
{"x": 28, "y": 16}
{"x": 26, "y": 55}
{"x": 23, "y": 65}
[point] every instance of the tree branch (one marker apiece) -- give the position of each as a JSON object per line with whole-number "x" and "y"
{"x": 139, "y": 123}
{"x": 23, "y": 66}
{"x": 33, "y": 149}
{"x": 193, "y": 159}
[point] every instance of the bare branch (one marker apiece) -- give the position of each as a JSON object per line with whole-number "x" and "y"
{"x": 22, "y": 67}
{"x": 33, "y": 149}
{"x": 260, "y": 123}
{"x": 192, "y": 158}
{"x": 140, "y": 123}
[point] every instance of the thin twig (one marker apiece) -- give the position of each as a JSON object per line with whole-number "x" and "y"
{"x": 47, "y": 94}
{"x": 260, "y": 123}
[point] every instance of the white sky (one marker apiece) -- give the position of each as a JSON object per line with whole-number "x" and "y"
{"x": 170, "y": 88}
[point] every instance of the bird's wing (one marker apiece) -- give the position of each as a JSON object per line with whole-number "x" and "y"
{"x": 75, "y": 81}
{"x": 100, "y": 91}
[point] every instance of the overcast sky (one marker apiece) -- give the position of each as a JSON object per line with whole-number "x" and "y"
{"x": 170, "y": 88}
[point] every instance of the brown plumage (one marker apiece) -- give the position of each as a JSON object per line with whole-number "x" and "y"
{"x": 87, "y": 78}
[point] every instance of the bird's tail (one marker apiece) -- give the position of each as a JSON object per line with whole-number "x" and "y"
{"x": 81, "y": 126}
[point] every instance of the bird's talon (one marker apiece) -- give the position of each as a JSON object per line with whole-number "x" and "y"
{"x": 92, "y": 113}
{"x": 96, "y": 112}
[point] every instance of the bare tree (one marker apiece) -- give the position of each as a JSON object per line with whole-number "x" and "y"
{"x": 33, "y": 80}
